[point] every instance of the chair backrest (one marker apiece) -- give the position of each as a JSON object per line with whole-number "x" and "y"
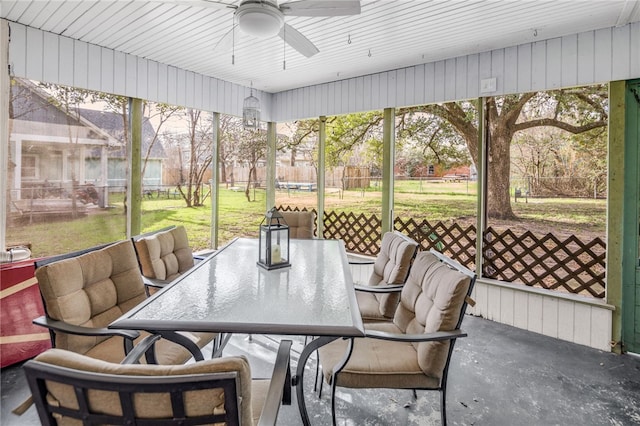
{"x": 434, "y": 298}
{"x": 392, "y": 266}
{"x": 90, "y": 288}
{"x": 301, "y": 223}
{"x": 164, "y": 255}
{"x": 68, "y": 388}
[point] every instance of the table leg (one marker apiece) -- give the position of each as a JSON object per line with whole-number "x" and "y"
{"x": 298, "y": 380}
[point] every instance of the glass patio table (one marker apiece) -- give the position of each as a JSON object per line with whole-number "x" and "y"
{"x": 229, "y": 293}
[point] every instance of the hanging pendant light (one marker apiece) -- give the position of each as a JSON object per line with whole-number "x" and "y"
{"x": 251, "y": 112}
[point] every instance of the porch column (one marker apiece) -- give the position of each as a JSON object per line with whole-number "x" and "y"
{"x": 103, "y": 191}
{"x": 134, "y": 195}
{"x": 622, "y": 166}
{"x": 4, "y": 127}
{"x": 270, "y": 184}
{"x": 483, "y": 150}
{"x": 215, "y": 178}
{"x": 388, "y": 160}
{"x": 322, "y": 160}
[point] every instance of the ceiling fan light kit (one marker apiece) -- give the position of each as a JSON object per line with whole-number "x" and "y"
{"x": 260, "y": 19}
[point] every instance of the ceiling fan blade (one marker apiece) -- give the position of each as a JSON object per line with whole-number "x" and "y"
{"x": 225, "y": 44}
{"x": 321, "y": 8}
{"x": 204, "y": 3}
{"x": 295, "y": 39}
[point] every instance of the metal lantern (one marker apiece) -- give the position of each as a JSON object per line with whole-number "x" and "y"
{"x": 274, "y": 241}
{"x": 251, "y": 112}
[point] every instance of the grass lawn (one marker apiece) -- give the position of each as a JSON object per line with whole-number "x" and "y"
{"x": 421, "y": 200}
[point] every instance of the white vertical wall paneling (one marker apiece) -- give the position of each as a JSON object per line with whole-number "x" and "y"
{"x": 392, "y": 88}
{"x": 306, "y": 92}
{"x": 493, "y": 303}
{"x": 510, "y": 79}
{"x": 538, "y": 65}
{"x": 80, "y": 64}
{"x": 520, "y": 310}
{"x": 189, "y": 89}
{"x": 524, "y": 68}
{"x": 163, "y": 83}
{"x": 550, "y": 316}
{"x": 569, "y": 58}
{"x": 65, "y": 61}
{"x": 119, "y": 73}
{"x": 94, "y": 61}
{"x": 634, "y": 50}
{"x": 131, "y": 73}
{"x": 554, "y": 63}
{"x": 603, "y": 55}
{"x": 419, "y": 81}
{"x": 484, "y": 66}
{"x": 439, "y": 81}
{"x": 566, "y": 312}
{"x": 198, "y": 98}
{"x": 401, "y": 81}
{"x": 600, "y": 326}
{"x": 50, "y": 56}
{"x": 535, "y": 312}
{"x": 410, "y": 86}
{"x": 360, "y": 94}
{"x": 621, "y": 52}
{"x": 203, "y": 85}
{"x": 507, "y": 300}
{"x": 172, "y": 94}
{"x": 34, "y": 53}
{"x": 429, "y": 82}
{"x": 497, "y": 68}
{"x": 586, "y": 57}
{"x": 582, "y": 325}
{"x": 383, "y": 88}
{"x": 450, "y": 79}
{"x": 344, "y": 96}
{"x": 152, "y": 80}
{"x": 106, "y": 72}
{"x": 324, "y": 99}
{"x": 181, "y": 86}
{"x": 143, "y": 78}
{"x": 375, "y": 91}
{"x": 462, "y": 68}
{"x": 18, "y": 50}
{"x": 366, "y": 91}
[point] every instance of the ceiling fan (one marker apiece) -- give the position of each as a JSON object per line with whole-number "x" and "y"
{"x": 265, "y": 18}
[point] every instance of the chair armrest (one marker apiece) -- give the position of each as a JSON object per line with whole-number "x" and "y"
{"x": 425, "y": 337}
{"x": 393, "y": 288}
{"x": 140, "y": 349}
{"x": 363, "y": 262}
{"x": 280, "y": 386}
{"x": 64, "y": 327}
{"x": 188, "y": 344}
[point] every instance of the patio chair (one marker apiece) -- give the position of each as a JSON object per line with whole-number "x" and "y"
{"x": 414, "y": 351}
{"x": 163, "y": 256}
{"x": 84, "y": 291}
{"x": 390, "y": 271}
{"x": 69, "y": 388}
{"x": 300, "y": 223}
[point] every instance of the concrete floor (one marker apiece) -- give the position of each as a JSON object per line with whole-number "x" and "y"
{"x": 499, "y": 375}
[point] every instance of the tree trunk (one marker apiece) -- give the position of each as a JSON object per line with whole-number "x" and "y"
{"x": 499, "y": 169}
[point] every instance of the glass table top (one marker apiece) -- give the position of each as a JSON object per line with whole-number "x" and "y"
{"x": 229, "y": 292}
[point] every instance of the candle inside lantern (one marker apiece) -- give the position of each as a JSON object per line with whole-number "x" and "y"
{"x": 276, "y": 255}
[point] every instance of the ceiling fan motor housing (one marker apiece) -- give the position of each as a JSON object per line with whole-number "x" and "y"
{"x": 260, "y": 18}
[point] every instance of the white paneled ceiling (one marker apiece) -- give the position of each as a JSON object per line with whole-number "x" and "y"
{"x": 385, "y": 35}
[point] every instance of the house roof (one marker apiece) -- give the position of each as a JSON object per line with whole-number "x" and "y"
{"x": 386, "y": 35}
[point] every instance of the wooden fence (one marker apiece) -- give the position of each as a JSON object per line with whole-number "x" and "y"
{"x": 546, "y": 261}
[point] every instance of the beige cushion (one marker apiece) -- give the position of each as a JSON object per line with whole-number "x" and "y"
{"x": 95, "y": 289}
{"x": 392, "y": 266}
{"x": 165, "y": 255}
{"x": 431, "y": 301}
{"x": 153, "y": 405}
{"x": 300, "y": 224}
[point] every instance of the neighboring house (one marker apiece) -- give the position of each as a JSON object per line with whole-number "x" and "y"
{"x": 51, "y": 148}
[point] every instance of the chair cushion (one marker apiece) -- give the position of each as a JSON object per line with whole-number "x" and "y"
{"x": 376, "y": 363}
{"x": 165, "y": 255}
{"x": 151, "y": 405}
{"x": 431, "y": 301}
{"x": 91, "y": 290}
{"x": 369, "y": 307}
{"x": 392, "y": 266}
{"x": 300, "y": 224}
